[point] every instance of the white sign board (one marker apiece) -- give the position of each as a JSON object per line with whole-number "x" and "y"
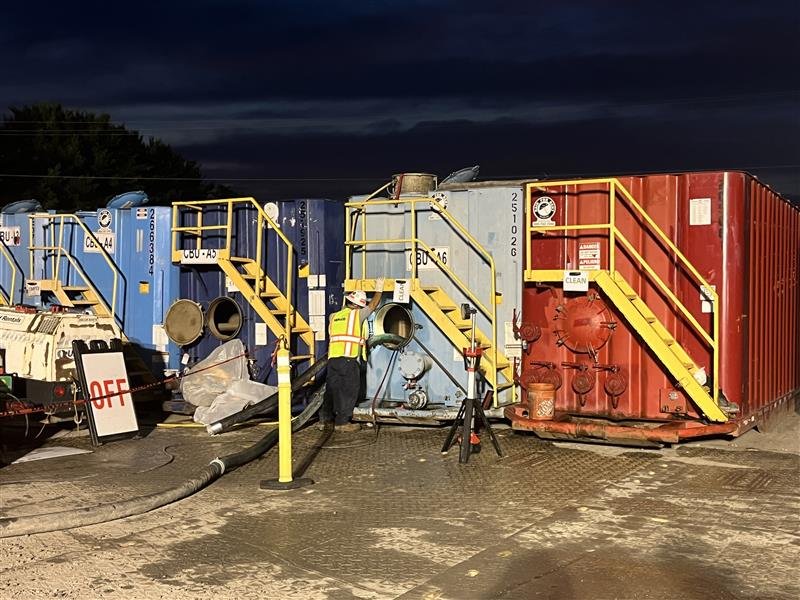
{"x": 107, "y": 239}
{"x": 10, "y": 236}
{"x": 425, "y": 261}
{"x": 33, "y": 287}
{"x": 700, "y": 211}
{"x": 200, "y": 256}
{"x": 589, "y": 256}
{"x": 402, "y": 291}
{"x": 576, "y": 281}
{"x": 108, "y": 396}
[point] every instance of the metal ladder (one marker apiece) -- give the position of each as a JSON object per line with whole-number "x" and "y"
{"x": 270, "y": 301}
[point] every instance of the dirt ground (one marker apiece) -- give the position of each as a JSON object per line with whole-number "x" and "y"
{"x": 389, "y": 516}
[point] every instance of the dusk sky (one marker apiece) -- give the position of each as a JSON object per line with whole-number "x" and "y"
{"x": 351, "y": 92}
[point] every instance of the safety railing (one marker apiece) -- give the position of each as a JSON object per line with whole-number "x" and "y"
{"x": 413, "y": 243}
{"x": 263, "y": 221}
{"x": 617, "y": 190}
{"x": 55, "y": 228}
{"x": 13, "y": 268}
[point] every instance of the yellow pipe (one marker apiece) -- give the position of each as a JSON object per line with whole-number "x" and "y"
{"x": 528, "y": 230}
{"x": 197, "y": 230}
{"x": 284, "y": 417}
{"x": 386, "y": 241}
{"x": 174, "y": 232}
{"x": 663, "y": 236}
{"x": 348, "y": 250}
{"x": 612, "y": 230}
{"x": 537, "y": 228}
{"x": 199, "y": 239}
{"x": 665, "y": 288}
{"x": 364, "y": 249}
{"x": 259, "y": 243}
{"x": 413, "y": 257}
{"x": 559, "y": 182}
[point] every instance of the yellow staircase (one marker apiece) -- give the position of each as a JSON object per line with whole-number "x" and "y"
{"x": 84, "y": 295}
{"x": 443, "y": 311}
{"x": 271, "y": 302}
{"x": 497, "y": 369}
{"x": 58, "y": 260}
{"x": 633, "y": 308}
{"x": 671, "y": 354}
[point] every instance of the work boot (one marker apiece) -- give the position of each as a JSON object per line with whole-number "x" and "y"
{"x": 348, "y": 427}
{"x": 324, "y": 425}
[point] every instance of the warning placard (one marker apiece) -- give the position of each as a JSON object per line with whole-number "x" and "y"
{"x": 107, "y": 393}
{"x": 589, "y": 256}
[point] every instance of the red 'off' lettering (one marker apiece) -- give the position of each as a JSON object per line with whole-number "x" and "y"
{"x": 103, "y": 394}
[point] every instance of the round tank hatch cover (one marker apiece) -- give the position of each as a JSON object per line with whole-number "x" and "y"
{"x": 584, "y": 324}
{"x": 272, "y": 211}
{"x": 411, "y": 365}
{"x": 183, "y": 323}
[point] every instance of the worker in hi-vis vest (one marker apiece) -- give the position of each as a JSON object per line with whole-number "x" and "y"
{"x": 345, "y": 347}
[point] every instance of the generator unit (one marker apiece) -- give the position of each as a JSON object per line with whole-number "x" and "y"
{"x": 36, "y": 357}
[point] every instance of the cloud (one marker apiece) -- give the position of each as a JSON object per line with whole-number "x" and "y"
{"x": 335, "y": 86}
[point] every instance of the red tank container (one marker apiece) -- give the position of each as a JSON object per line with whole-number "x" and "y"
{"x": 741, "y": 236}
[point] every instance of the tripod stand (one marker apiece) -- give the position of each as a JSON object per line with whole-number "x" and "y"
{"x": 470, "y": 406}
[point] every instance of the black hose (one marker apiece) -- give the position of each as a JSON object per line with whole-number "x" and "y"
{"x": 267, "y": 404}
{"x": 103, "y": 513}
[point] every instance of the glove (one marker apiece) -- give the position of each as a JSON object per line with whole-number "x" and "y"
{"x": 379, "y": 284}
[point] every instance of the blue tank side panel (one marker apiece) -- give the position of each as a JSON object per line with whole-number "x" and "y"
{"x": 152, "y": 282}
{"x": 17, "y": 239}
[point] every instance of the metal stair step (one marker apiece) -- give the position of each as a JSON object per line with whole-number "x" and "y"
{"x": 240, "y": 259}
{"x": 84, "y": 302}
{"x": 75, "y": 288}
{"x": 300, "y": 357}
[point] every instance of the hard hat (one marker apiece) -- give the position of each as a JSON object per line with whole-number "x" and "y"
{"x": 357, "y": 297}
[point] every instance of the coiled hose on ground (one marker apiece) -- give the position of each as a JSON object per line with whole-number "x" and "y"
{"x": 103, "y": 513}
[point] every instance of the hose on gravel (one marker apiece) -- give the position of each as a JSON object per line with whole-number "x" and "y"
{"x": 103, "y": 513}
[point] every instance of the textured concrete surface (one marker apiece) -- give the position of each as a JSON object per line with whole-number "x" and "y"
{"x": 389, "y": 517}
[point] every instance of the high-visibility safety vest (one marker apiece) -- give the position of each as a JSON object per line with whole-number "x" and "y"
{"x": 345, "y": 331}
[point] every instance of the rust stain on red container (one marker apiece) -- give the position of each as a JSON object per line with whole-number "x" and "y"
{"x": 742, "y": 237}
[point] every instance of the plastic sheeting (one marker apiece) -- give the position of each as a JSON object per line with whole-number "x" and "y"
{"x": 215, "y": 374}
{"x": 242, "y": 393}
{"x": 219, "y": 385}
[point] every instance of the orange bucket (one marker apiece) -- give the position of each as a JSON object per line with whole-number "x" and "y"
{"x": 541, "y": 401}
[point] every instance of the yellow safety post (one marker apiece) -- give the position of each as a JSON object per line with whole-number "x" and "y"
{"x": 284, "y": 480}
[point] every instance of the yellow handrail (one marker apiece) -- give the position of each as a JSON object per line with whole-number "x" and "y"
{"x": 358, "y": 207}
{"x": 60, "y": 251}
{"x": 263, "y": 221}
{"x": 12, "y": 265}
{"x": 615, "y": 186}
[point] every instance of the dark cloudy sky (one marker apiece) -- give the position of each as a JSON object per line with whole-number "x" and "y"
{"x": 355, "y": 91}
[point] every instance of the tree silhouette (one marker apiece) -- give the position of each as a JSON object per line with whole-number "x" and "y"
{"x": 71, "y": 160}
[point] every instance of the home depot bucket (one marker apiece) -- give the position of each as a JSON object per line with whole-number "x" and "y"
{"x": 541, "y": 401}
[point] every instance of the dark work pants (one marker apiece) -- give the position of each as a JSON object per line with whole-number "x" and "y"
{"x": 341, "y": 394}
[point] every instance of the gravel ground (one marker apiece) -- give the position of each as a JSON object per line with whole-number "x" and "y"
{"x": 389, "y": 516}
